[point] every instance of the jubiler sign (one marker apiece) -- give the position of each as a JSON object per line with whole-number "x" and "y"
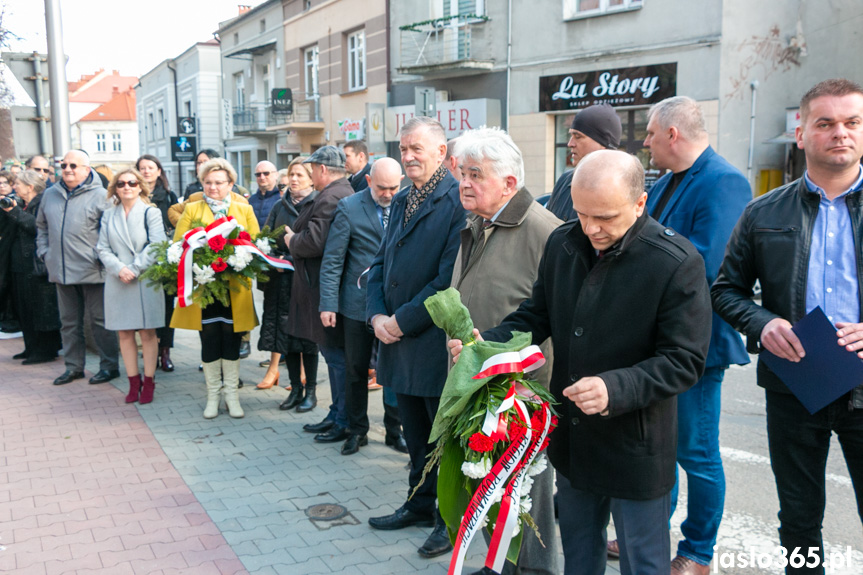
{"x": 639, "y": 86}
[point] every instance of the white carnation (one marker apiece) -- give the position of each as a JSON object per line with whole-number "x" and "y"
{"x": 476, "y": 470}
{"x": 526, "y": 484}
{"x": 239, "y": 260}
{"x": 525, "y": 505}
{"x": 263, "y": 245}
{"x": 203, "y": 275}
{"x": 538, "y": 465}
{"x": 175, "y": 252}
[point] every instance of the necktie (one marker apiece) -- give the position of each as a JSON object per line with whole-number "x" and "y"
{"x": 385, "y": 216}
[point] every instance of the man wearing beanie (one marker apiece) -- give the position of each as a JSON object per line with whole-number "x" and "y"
{"x": 701, "y": 199}
{"x": 595, "y": 128}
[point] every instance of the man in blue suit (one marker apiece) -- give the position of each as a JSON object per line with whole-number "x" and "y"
{"x": 416, "y": 261}
{"x": 354, "y": 239}
{"x": 701, "y": 198}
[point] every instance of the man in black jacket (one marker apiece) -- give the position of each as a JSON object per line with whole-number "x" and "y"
{"x": 802, "y": 241}
{"x": 357, "y": 164}
{"x": 626, "y": 303}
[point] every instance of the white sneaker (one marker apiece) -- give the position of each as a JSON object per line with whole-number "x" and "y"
{"x": 10, "y": 335}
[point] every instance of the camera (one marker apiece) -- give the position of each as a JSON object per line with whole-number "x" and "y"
{"x": 7, "y": 201}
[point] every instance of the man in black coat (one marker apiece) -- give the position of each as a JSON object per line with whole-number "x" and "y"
{"x": 626, "y": 303}
{"x": 357, "y": 164}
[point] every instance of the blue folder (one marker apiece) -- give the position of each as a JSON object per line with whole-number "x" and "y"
{"x": 826, "y": 373}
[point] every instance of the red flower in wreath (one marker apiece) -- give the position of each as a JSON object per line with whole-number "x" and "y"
{"x": 481, "y": 443}
{"x": 219, "y": 265}
{"x": 217, "y": 244}
{"x": 245, "y": 236}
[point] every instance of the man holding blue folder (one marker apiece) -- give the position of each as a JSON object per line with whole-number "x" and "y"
{"x": 801, "y": 242}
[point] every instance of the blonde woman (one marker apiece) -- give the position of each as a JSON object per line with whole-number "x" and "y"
{"x": 125, "y": 235}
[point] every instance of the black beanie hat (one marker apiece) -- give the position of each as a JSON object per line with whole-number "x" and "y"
{"x": 600, "y": 123}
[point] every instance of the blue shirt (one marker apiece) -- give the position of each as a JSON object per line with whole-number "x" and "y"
{"x": 832, "y": 280}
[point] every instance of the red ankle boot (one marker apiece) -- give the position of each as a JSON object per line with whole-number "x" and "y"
{"x": 134, "y": 388}
{"x": 147, "y": 390}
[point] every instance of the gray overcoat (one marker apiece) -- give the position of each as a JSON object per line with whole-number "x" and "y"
{"x": 124, "y": 242}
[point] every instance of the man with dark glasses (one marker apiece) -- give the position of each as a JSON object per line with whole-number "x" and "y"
{"x": 42, "y": 167}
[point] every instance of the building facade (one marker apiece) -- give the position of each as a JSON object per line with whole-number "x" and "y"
{"x": 109, "y": 133}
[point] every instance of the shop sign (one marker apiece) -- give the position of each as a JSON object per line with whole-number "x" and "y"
{"x": 456, "y": 117}
{"x": 638, "y": 86}
{"x": 353, "y": 129}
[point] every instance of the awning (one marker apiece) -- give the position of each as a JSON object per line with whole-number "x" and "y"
{"x": 252, "y": 50}
{"x": 783, "y": 138}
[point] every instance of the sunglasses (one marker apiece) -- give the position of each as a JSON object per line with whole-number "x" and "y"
{"x": 44, "y": 170}
{"x": 131, "y": 183}
{"x": 64, "y": 165}
{"x": 282, "y": 186}
{"x": 259, "y": 174}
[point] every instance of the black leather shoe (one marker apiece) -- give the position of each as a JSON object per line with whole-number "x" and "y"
{"x": 353, "y": 444}
{"x": 333, "y": 434}
{"x": 400, "y": 519}
{"x": 397, "y": 443}
{"x": 321, "y": 427}
{"x": 68, "y": 377}
{"x": 22, "y": 355}
{"x": 437, "y": 543}
{"x": 33, "y": 360}
{"x": 245, "y": 349}
{"x": 104, "y": 375}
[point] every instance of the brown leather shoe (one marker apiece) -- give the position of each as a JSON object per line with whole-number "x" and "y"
{"x": 612, "y": 549}
{"x": 686, "y": 566}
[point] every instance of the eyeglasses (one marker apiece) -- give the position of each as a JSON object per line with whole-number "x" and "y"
{"x": 282, "y": 186}
{"x": 259, "y": 174}
{"x": 44, "y": 170}
{"x": 131, "y": 183}
{"x": 64, "y": 165}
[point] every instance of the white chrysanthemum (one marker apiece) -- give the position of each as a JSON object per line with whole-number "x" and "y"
{"x": 239, "y": 260}
{"x": 538, "y": 465}
{"x": 263, "y": 245}
{"x": 175, "y": 252}
{"x": 203, "y": 275}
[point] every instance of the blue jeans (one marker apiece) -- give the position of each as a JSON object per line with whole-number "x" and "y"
{"x": 335, "y": 358}
{"x": 698, "y": 454}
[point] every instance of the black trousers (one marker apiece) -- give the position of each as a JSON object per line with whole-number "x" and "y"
{"x": 359, "y": 350}
{"x": 166, "y": 334}
{"x": 219, "y": 341}
{"x": 417, "y": 414}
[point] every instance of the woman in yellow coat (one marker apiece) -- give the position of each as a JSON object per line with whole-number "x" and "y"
{"x": 221, "y": 327}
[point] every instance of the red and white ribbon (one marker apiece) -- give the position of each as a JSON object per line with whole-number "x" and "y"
{"x": 200, "y": 237}
{"x": 528, "y": 359}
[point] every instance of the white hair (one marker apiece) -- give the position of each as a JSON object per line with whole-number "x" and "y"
{"x": 496, "y": 146}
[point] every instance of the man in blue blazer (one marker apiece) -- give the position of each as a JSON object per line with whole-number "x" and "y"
{"x": 416, "y": 261}
{"x": 354, "y": 239}
{"x": 701, "y": 199}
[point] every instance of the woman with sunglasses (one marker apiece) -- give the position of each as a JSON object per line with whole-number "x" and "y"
{"x": 163, "y": 198}
{"x": 127, "y": 230}
{"x": 221, "y": 327}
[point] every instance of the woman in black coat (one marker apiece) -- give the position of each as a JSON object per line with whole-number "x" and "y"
{"x": 35, "y": 298}
{"x": 163, "y": 198}
{"x": 299, "y": 353}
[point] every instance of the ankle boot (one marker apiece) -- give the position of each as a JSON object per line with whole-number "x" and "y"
{"x": 213, "y": 377}
{"x": 294, "y": 398}
{"x": 310, "y": 400}
{"x": 147, "y": 389}
{"x": 165, "y": 359}
{"x": 134, "y": 388}
{"x": 231, "y": 374}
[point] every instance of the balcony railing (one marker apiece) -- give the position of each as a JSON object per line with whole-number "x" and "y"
{"x": 443, "y": 41}
{"x": 259, "y": 117}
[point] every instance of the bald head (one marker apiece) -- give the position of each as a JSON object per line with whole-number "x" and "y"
{"x": 611, "y": 170}
{"x": 384, "y": 180}
{"x": 267, "y": 176}
{"x": 76, "y": 168}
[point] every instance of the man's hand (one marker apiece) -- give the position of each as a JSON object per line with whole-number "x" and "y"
{"x": 851, "y": 336}
{"x": 589, "y": 394}
{"x": 289, "y": 233}
{"x": 392, "y": 326}
{"x": 127, "y": 275}
{"x": 328, "y": 318}
{"x": 778, "y": 338}
{"x": 455, "y": 345}
{"x": 381, "y": 332}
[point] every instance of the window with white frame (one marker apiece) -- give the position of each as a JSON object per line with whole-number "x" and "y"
{"x": 310, "y": 65}
{"x": 357, "y": 60}
{"x": 239, "y": 90}
{"x": 584, "y": 8}
{"x": 116, "y": 142}
{"x": 100, "y": 142}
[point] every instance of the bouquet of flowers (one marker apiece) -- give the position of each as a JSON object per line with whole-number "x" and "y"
{"x": 209, "y": 262}
{"x": 491, "y": 428}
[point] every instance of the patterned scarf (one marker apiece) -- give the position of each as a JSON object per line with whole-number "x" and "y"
{"x": 219, "y": 207}
{"x": 417, "y": 196}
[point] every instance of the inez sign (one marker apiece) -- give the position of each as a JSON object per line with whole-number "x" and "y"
{"x": 639, "y": 86}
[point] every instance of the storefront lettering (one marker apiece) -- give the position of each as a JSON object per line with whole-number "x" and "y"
{"x": 636, "y": 86}
{"x": 570, "y": 90}
{"x": 456, "y": 117}
{"x": 648, "y": 86}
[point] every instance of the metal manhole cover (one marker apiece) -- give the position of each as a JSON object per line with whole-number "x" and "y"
{"x": 326, "y": 512}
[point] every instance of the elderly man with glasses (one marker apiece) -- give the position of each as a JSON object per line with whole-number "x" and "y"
{"x": 42, "y": 167}
{"x": 268, "y": 194}
{"x": 67, "y": 232}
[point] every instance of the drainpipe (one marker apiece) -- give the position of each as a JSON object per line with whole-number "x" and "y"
{"x": 754, "y": 86}
{"x": 172, "y": 66}
{"x": 508, "y": 61}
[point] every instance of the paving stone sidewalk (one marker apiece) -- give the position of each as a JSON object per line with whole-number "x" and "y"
{"x": 89, "y": 484}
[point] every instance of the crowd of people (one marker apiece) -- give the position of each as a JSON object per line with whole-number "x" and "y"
{"x": 612, "y": 281}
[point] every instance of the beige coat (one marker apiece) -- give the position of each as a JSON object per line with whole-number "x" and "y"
{"x": 495, "y": 276}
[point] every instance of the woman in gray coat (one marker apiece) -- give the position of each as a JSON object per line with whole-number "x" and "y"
{"x": 125, "y": 236}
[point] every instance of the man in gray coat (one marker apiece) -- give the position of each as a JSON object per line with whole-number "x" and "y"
{"x": 67, "y": 234}
{"x": 352, "y": 243}
{"x": 495, "y": 270}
